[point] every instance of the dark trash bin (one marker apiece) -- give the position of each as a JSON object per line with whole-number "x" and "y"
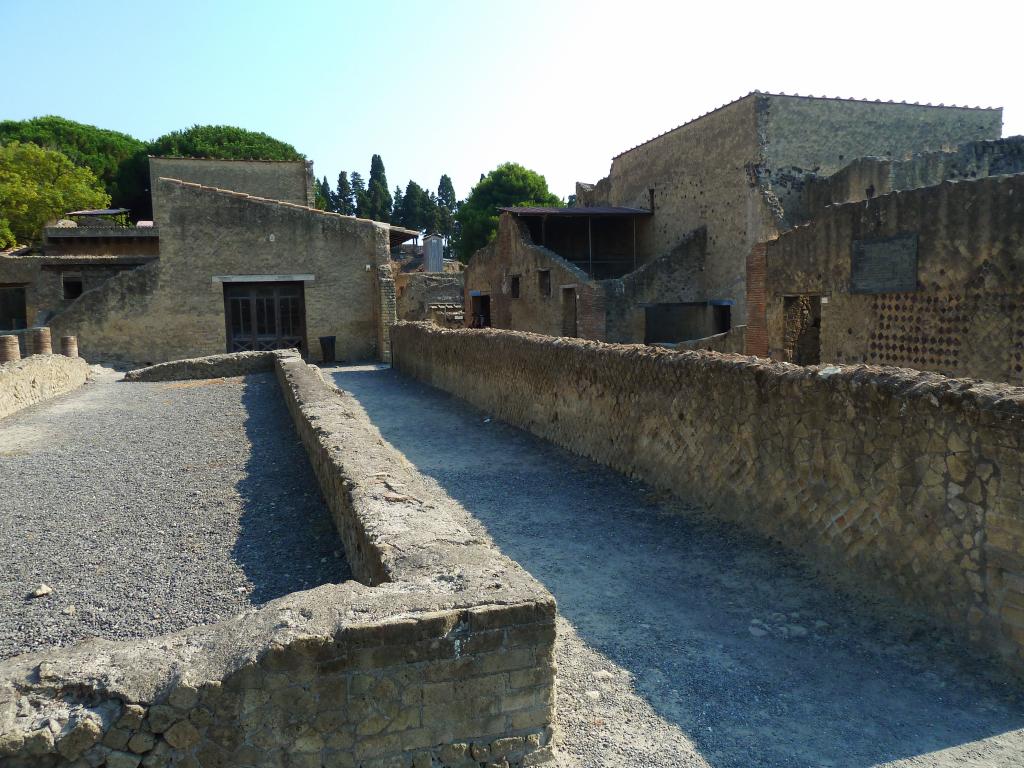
{"x": 327, "y": 348}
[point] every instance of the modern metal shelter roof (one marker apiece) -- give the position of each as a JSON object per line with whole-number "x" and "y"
{"x": 607, "y": 210}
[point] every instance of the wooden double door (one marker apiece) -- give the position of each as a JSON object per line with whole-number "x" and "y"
{"x": 265, "y": 316}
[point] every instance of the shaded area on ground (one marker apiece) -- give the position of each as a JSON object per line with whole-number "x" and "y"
{"x": 686, "y": 642}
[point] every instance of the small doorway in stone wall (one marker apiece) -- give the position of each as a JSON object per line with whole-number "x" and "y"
{"x": 802, "y": 336}
{"x": 12, "y": 308}
{"x": 480, "y": 306}
{"x": 265, "y": 316}
{"x": 569, "y": 324}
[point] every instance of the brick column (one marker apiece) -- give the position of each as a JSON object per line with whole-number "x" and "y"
{"x": 39, "y": 341}
{"x": 757, "y": 301}
{"x": 69, "y": 346}
{"x": 9, "y": 351}
{"x": 387, "y": 313}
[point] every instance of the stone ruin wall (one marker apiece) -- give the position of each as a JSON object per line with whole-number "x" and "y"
{"x": 512, "y": 252}
{"x": 417, "y": 291}
{"x": 897, "y": 482}
{"x": 289, "y": 181}
{"x": 36, "y": 378}
{"x": 967, "y": 316}
{"x": 446, "y": 660}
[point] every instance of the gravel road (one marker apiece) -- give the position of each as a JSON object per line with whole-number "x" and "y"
{"x": 148, "y": 508}
{"x": 686, "y": 643}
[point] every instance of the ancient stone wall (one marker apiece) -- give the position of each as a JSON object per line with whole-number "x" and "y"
{"x": 870, "y": 177}
{"x": 966, "y": 316}
{"x": 676, "y": 277}
{"x": 512, "y": 254}
{"x": 39, "y": 377}
{"x": 897, "y": 482}
{"x": 287, "y": 181}
{"x": 211, "y": 367}
{"x": 445, "y": 662}
{"x": 175, "y": 309}
{"x": 418, "y": 290}
{"x": 733, "y": 170}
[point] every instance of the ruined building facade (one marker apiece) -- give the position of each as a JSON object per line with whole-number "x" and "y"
{"x": 701, "y": 195}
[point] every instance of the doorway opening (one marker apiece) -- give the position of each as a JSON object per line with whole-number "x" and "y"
{"x": 265, "y": 316}
{"x": 480, "y": 306}
{"x": 12, "y": 308}
{"x": 569, "y": 326}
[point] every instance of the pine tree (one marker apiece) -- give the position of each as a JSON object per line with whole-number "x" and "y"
{"x": 396, "y": 208}
{"x": 359, "y": 194}
{"x": 343, "y": 196}
{"x": 323, "y": 196}
{"x": 447, "y": 206}
{"x": 379, "y": 201}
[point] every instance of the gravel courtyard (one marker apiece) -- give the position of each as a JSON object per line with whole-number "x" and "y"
{"x": 148, "y": 508}
{"x": 686, "y": 643}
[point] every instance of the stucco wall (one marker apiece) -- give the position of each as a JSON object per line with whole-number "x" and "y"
{"x": 446, "y": 663}
{"x": 288, "y": 181}
{"x": 899, "y": 483}
{"x": 173, "y": 308}
{"x": 966, "y": 317}
{"x": 513, "y": 253}
{"x": 33, "y": 379}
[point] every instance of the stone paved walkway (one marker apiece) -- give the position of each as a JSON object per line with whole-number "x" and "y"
{"x": 685, "y": 643}
{"x": 151, "y": 507}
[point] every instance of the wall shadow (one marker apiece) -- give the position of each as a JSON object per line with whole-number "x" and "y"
{"x": 287, "y": 540}
{"x": 738, "y": 644}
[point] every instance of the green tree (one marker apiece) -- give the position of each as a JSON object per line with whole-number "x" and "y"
{"x": 510, "y": 184}
{"x": 418, "y": 209}
{"x": 224, "y": 142}
{"x": 396, "y": 207}
{"x": 324, "y": 196}
{"x": 114, "y": 158}
{"x": 343, "y": 196}
{"x": 38, "y": 185}
{"x": 378, "y": 199}
{"x": 359, "y": 201}
{"x": 447, "y": 205}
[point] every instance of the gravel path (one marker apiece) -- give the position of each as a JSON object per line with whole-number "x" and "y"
{"x": 687, "y": 643}
{"x": 148, "y": 508}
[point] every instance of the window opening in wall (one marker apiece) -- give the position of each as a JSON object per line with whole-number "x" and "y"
{"x": 514, "y": 287}
{"x": 12, "y": 307}
{"x": 569, "y": 312}
{"x": 481, "y": 310}
{"x": 544, "y": 282}
{"x": 722, "y": 317}
{"x": 73, "y": 285}
{"x": 802, "y": 338}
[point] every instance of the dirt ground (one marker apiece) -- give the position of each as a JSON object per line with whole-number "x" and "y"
{"x": 687, "y": 643}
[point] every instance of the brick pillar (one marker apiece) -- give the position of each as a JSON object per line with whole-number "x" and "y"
{"x": 69, "y": 346}
{"x": 9, "y": 351}
{"x": 757, "y": 301}
{"x": 387, "y": 313}
{"x": 39, "y": 341}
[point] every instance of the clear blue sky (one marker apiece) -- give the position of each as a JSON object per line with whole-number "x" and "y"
{"x": 459, "y": 87}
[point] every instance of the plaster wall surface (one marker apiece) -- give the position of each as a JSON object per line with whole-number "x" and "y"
{"x": 966, "y": 316}
{"x": 897, "y": 482}
{"x": 417, "y": 291}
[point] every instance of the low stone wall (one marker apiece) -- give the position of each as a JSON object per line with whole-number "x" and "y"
{"x": 732, "y": 341}
{"x": 39, "y": 377}
{"x": 211, "y": 367}
{"x": 448, "y": 662}
{"x": 901, "y": 483}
